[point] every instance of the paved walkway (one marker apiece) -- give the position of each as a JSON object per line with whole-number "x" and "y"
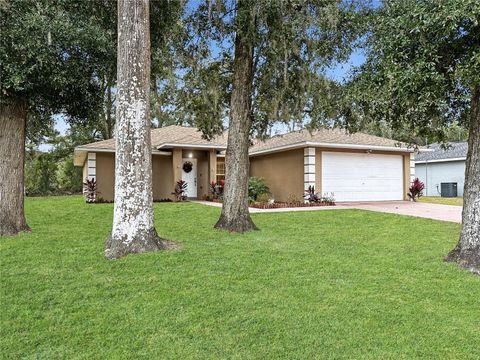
{"x": 423, "y": 210}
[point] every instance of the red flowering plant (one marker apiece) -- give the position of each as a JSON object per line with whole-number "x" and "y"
{"x": 90, "y": 190}
{"x": 416, "y": 189}
{"x": 180, "y": 190}
{"x": 311, "y": 196}
{"x": 216, "y": 189}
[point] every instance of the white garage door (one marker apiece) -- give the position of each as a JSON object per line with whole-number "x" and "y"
{"x": 362, "y": 177}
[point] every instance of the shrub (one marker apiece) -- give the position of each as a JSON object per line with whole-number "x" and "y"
{"x": 90, "y": 190}
{"x": 264, "y": 198}
{"x": 216, "y": 189}
{"x": 180, "y": 190}
{"x": 294, "y": 199}
{"x": 256, "y": 187}
{"x": 40, "y": 175}
{"x": 162, "y": 200}
{"x": 416, "y": 189}
{"x": 311, "y": 195}
{"x": 328, "y": 199}
{"x": 69, "y": 177}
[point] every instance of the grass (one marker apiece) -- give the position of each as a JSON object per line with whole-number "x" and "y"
{"x": 340, "y": 284}
{"x": 442, "y": 200}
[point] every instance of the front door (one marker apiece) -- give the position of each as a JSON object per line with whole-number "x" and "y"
{"x": 189, "y": 175}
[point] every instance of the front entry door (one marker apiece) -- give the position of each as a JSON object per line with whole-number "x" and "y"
{"x": 190, "y": 177}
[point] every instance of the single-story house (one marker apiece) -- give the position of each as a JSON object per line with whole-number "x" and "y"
{"x": 354, "y": 167}
{"x": 442, "y": 165}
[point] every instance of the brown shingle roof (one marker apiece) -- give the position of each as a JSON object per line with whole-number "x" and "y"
{"x": 169, "y": 136}
{"x": 174, "y": 135}
{"x": 323, "y": 136}
{"x": 179, "y": 135}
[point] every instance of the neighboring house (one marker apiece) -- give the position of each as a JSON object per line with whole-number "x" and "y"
{"x": 354, "y": 167}
{"x": 442, "y": 166}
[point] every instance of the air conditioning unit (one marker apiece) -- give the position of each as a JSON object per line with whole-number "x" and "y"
{"x": 448, "y": 189}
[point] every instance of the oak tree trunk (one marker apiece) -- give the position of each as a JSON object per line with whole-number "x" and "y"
{"x": 13, "y": 116}
{"x": 467, "y": 251}
{"x": 133, "y": 226}
{"x": 235, "y": 215}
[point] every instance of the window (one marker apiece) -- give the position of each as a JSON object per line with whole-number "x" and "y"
{"x": 220, "y": 169}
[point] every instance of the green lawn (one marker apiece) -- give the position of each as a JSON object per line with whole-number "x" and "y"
{"x": 442, "y": 200}
{"x": 343, "y": 284}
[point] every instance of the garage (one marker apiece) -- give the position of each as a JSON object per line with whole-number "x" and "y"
{"x": 362, "y": 176}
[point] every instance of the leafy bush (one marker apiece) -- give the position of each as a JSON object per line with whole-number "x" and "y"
{"x": 69, "y": 177}
{"x": 40, "y": 174}
{"x": 256, "y": 187}
{"x": 180, "y": 190}
{"x": 216, "y": 189}
{"x": 162, "y": 200}
{"x": 264, "y": 198}
{"x": 312, "y": 197}
{"x": 328, "y": 199}
{"x": 90, "y": 190}
{"x": 416, "y": 189}
{"x": 294, "y": 199}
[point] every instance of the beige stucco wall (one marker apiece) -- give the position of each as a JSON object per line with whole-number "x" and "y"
{"x": 162, "y": 172}
{"x": 85, "y": 170}
{"x": 283, "y": 172}
{"x": 162, "y": 177}
{"x": 105, "y": 175}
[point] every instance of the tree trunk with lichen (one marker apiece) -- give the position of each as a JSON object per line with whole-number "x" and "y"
{"x": 13, "y": 116}
{"x": 235, "y": 215}
{"x": 133, "y": 226}
{"x": 467, "y": 251}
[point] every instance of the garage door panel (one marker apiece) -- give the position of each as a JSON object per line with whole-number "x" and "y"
{"x": 362, "y": 177}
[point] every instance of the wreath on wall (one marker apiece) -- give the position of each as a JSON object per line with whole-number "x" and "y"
{"x": 187, "y": 166}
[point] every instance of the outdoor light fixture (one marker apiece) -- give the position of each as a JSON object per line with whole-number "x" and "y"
{"x": 190, "y": 155}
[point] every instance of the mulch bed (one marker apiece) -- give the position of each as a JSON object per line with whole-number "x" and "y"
{"x": 279, "y": 205}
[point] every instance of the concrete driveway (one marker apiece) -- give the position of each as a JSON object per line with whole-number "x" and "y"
{"x": 423, "y": 210}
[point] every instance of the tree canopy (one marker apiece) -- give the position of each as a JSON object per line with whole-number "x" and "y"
{"x": 423, "y": 60}
{"x": 51, "y": 54}
{"x": 294, "y": 43}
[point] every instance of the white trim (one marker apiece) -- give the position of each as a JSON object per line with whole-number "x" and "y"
{"x": 92, "y": 165}
{"x": 101, "y": 150}
{"x": 158, "y": 152}
{"x": 309, "y": 178}
{"x": 335, "y": 146}
{"x": 440, "y": 160}
{"x": 309, "y": 152}
{"x": 192, "y": 146}
{"x": 308, "y": 167}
